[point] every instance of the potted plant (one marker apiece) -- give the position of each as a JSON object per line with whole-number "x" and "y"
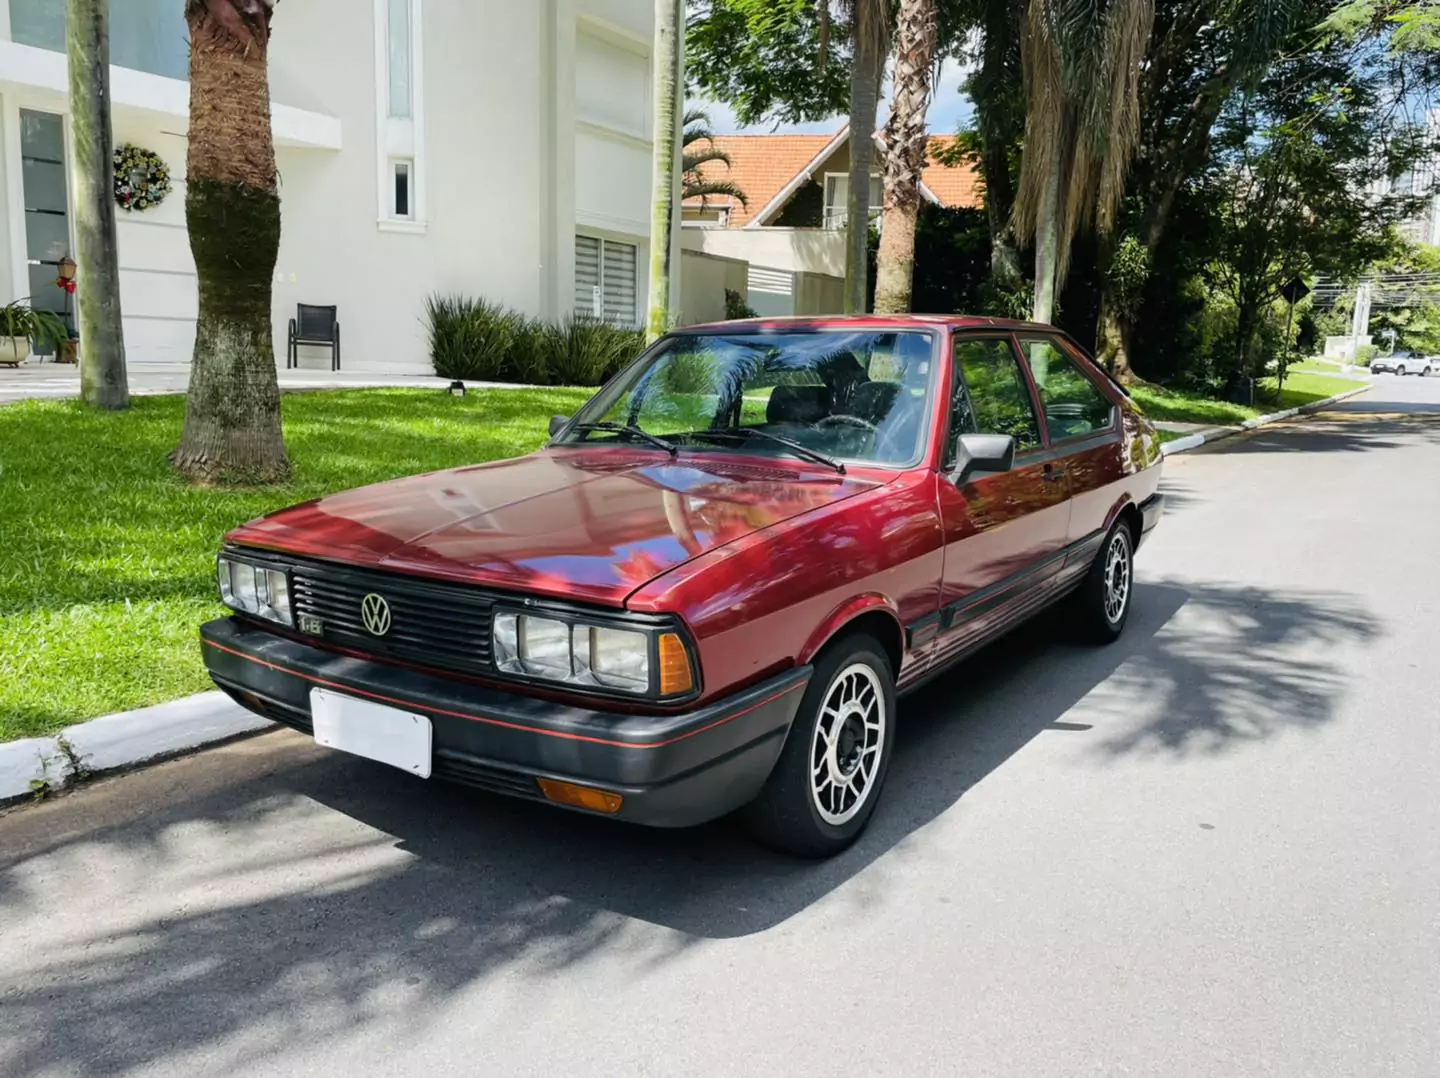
{"x": 21, "y": 323}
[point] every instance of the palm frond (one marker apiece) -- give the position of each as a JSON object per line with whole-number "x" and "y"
{"x": 692, "y": 161}
{"x": 703, "y": 189}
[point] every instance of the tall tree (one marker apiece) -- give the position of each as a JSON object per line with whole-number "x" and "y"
{"x": 870, "y": 31}
{"x": 1200, "y": 53}
{"x": 232, "y": 210}
{"x": 906, "y": 148}
{"x": 1081, "y": 62}
{"x": 668, "y": 60}
{"x": 103, "y": 382}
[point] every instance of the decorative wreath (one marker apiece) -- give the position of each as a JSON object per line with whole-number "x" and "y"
{"x": 142, "y": 179}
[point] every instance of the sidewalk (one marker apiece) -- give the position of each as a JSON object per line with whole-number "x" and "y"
{"x": 35, "y": 381}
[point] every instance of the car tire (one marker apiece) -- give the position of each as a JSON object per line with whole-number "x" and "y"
{"x": 829, "y": 776}
{"x": 1424, "y": 372}
{"x": 1400, "y": 370}
{"x": 1100, "y": 607}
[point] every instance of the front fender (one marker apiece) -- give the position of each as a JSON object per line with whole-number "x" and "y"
{"x": 847, "y": 612}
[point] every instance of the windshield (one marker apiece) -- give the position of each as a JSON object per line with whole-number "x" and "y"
{"x": 854, "y": 396}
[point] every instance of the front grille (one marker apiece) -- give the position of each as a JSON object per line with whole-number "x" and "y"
{"x": 431, "y": 623}
{"x": 467, "y": 770}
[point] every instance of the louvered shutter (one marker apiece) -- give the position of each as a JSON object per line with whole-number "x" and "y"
{"x": 587, "y": 274}
{"x": 620, "y": 260}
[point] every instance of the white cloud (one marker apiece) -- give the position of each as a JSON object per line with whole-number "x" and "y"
{"x": 949, "y": 109}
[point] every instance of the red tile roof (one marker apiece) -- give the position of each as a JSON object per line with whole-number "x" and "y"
{"x": 763, "y": 165}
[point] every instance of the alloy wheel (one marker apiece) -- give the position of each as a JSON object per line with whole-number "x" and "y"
{"x": 846, "y": 747}
{"x": 1117, "y": 577}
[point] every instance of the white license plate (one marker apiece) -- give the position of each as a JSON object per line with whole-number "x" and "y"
{"x": 387, "y": 734}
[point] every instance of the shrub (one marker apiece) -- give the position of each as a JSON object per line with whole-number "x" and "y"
{"x": 1365, "y": 353}
{"x": 582, "y": 351}
{"x": 736, "y": 307}
{"x": 470, "y": 338}
{"x": 481, "y": 341}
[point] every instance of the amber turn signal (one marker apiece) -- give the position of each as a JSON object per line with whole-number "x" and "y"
{"x": 567, "y": 793}
{"x": 676, "y": 677}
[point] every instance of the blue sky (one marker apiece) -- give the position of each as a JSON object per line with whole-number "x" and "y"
{"x": 949, "y": 109}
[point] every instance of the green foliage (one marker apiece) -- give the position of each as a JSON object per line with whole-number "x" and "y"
{"x": 582, "y": 351}
{"x": 764, "y": 59}
{"x": 697, "y": 150}
{"x": 110, "y": 558}
{"x": 1129, "y": 270}
{"x": 475, "y": 340}
{"x": 1365, "y": 353}
{"x": 736, "y": 307}
{"x": 45, "y": 328}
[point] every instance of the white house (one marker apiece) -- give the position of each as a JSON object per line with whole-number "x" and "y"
{"x": 494, "y": 148}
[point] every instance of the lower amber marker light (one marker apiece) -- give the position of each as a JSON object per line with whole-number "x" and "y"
{"x": 585, "y": 797}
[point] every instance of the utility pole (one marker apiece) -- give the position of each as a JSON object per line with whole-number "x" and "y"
{"x": 1361, "y": 321}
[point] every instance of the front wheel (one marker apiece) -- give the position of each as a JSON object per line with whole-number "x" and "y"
{"x": 1101, "y": 605}
{"x": 827, "y": 781}
{"x": 1400, "y": 370}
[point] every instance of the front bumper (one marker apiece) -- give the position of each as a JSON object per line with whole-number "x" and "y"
{"x": 671, "y": 770}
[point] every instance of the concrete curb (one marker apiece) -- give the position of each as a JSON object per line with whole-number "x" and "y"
{"x": 115, "y": 742}
{"x": 1215, "y": 434}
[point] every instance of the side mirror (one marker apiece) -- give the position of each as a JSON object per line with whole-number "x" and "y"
{"x": 557, "y": 424}
{"x": 982, "y": 453}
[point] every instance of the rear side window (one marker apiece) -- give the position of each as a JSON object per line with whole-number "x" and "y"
{"x": 1073, "y": 404}
{"x": 991, "y": 396}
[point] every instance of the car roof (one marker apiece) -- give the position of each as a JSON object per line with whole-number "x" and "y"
{"x": 868, "y": 321}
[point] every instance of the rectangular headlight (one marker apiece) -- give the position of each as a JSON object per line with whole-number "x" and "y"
{"x": 588, "y": 655}
{"x": 254, "y": 589}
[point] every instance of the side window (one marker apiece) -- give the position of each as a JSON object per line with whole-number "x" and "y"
{"x": 991, "y": 396}
{"x": 1073, "y": 405}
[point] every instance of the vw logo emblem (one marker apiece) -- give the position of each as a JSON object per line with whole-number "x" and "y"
{"x": 375, "y": 612}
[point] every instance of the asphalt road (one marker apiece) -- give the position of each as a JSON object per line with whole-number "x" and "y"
{"x": 1211, "y": 849}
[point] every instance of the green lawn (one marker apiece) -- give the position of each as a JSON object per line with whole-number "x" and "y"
{"x": 107, "y": 564}
{"x": 1188, "y": 407}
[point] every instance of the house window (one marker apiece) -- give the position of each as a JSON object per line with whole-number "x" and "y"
{"x": 398, "y": 30}
{"x": 145, "y": 35}
{"x": 606, "y": 279}
{"x": 402, "y": 207}
{"x": 837, "y": 199}
{"x": 400, "y": 115}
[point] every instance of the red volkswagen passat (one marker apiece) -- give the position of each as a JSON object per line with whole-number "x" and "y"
{"x": 707, "y": 591}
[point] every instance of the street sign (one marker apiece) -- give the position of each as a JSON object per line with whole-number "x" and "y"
{"x": 1295, "y": 291}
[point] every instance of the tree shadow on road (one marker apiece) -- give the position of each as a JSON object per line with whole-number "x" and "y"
{"x": 317, "y": 894}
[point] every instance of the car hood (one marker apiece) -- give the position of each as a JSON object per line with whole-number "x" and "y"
{"x": 591, "y": 524}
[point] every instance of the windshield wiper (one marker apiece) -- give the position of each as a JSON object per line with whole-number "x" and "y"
{"x": 745, "y": 433}
{"x": 626, "y": 428}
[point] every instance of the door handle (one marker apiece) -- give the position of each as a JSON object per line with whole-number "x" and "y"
{"x": 1053, "y": 474}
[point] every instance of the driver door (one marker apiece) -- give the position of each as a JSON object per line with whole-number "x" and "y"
{"x": 1003, "y": 532}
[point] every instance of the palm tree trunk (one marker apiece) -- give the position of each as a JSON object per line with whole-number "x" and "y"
{"x": 871, "y": 20}
{"x": 103, "y": 382}
{"x": 232, "y": 210}
{"x": 1047, "y": 244}
{"x": 669, "y": 31}
{"x": 906, "y": 148}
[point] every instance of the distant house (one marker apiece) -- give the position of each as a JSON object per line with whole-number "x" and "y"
{"x": 791, "y": 229}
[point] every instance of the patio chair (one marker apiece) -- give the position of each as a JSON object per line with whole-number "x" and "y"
{"x": 314, "y": 326}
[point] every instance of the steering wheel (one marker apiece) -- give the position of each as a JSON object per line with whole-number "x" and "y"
{"x": 853, "y": 421}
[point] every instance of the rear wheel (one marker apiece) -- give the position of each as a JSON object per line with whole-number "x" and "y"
{"x": 1101, "y": 606}
{"x": 827, "y": 781}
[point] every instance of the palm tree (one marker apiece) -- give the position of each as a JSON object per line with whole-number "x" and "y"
{"x": 698, "y": 149}
{"x": 92, "y": 170}
{"x": 668, "y": 59}
{"x": 232, "y": 210}
{"x": 1081, "y": 64}
{"x": 906, "y": 148}
{"x": 870, "y": 33}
